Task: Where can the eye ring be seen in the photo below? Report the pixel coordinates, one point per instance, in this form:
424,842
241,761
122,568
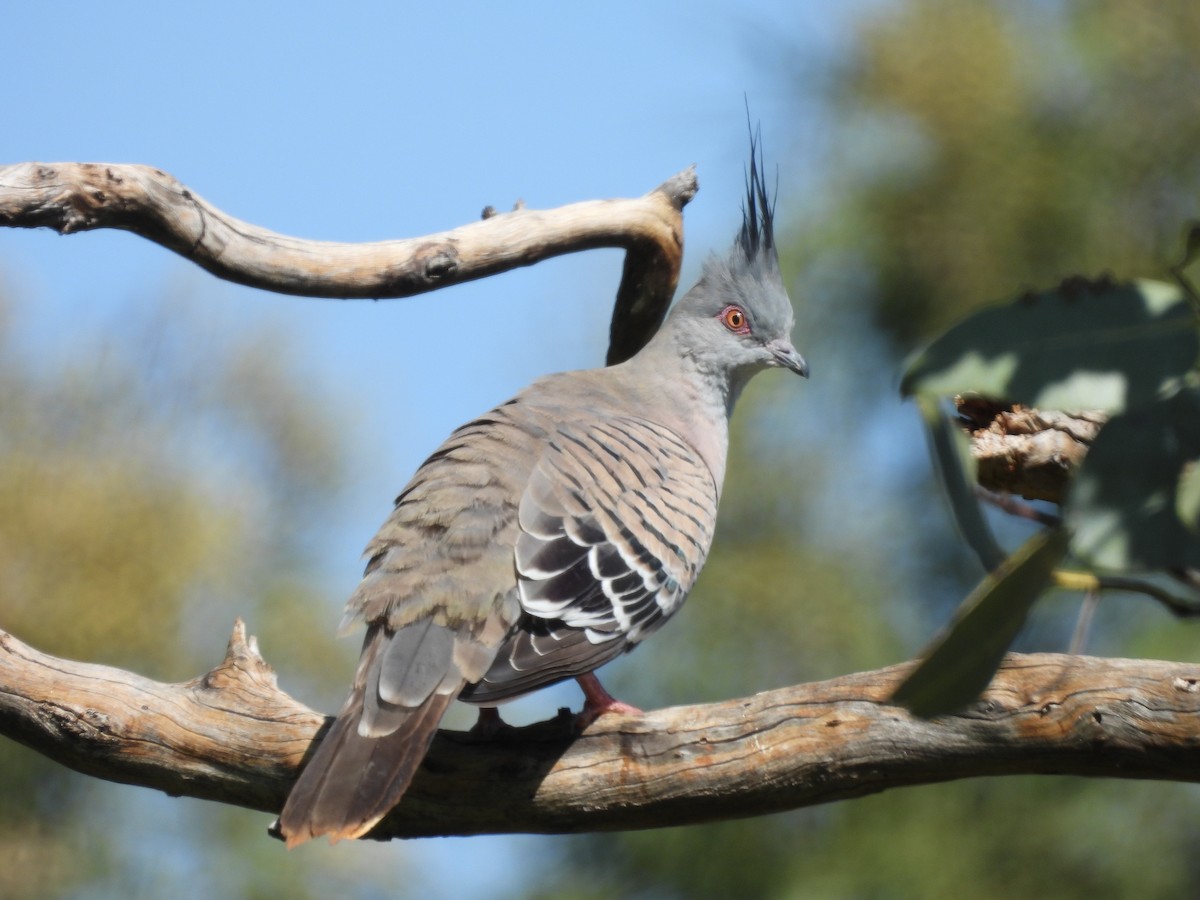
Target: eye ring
734,318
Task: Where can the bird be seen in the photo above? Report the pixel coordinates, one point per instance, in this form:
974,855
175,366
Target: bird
550,535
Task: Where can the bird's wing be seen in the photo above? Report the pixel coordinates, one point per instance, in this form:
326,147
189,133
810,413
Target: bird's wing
614,525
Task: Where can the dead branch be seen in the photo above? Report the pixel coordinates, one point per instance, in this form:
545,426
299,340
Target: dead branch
234,737
71,197
1029,452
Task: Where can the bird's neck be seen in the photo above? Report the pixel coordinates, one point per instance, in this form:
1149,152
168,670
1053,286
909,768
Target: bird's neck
710,384
695,400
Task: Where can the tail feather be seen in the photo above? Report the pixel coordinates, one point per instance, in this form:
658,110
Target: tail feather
352,781
405,681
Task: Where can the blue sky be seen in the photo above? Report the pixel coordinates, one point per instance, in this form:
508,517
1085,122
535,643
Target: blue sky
374,121
391,120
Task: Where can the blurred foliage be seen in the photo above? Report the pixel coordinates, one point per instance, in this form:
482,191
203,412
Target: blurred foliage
951,450
991,146
156,482
964,659
1129,350
1130,502
972,150
1082,346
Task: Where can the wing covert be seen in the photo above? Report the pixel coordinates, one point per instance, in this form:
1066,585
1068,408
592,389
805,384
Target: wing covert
613,528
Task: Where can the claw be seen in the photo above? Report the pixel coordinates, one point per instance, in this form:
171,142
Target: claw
598,701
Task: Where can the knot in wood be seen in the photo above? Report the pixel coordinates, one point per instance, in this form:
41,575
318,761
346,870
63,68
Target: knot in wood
437,261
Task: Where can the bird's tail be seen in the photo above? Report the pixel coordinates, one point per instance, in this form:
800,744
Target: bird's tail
364,763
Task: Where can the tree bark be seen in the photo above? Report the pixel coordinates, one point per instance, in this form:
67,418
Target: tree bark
71,197
1028,452
234,737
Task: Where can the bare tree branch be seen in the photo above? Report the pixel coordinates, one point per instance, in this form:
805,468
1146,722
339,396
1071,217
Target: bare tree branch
234,737
71,197
1029,452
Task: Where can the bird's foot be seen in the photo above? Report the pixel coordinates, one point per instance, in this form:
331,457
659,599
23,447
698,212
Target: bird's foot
489,724
598,701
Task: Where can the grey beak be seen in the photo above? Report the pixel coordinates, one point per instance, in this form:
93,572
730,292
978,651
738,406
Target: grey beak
785,355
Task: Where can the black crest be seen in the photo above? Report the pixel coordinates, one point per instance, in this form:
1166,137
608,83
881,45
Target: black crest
757,237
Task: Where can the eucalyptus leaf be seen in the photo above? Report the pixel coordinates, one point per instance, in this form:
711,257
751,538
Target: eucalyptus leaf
1082,346
1134,502
1191,253
1187,497
957,468
961,662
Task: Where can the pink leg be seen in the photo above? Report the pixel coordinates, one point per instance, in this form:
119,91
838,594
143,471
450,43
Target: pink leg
489,723
598,701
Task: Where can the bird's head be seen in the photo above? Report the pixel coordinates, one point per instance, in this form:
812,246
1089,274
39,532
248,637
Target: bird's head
738,319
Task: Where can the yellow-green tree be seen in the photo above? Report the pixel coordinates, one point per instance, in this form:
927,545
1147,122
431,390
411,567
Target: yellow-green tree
971,151
156,482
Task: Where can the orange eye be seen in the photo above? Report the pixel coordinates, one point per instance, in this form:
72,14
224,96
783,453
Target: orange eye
734,318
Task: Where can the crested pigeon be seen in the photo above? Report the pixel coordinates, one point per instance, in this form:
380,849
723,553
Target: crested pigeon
548,536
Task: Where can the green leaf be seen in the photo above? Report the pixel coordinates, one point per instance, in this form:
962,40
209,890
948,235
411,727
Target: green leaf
1135,500
962,661
1191,250
957,468
1187,497
1081,346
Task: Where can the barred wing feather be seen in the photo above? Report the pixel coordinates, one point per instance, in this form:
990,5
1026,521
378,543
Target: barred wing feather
615,523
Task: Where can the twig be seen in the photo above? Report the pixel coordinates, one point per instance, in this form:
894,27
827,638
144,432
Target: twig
1015,507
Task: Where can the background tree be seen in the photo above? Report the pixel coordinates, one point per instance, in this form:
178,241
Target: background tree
159,484
984,149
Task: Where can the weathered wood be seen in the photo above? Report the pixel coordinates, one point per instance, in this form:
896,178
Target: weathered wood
72,197
1028,452
234,737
